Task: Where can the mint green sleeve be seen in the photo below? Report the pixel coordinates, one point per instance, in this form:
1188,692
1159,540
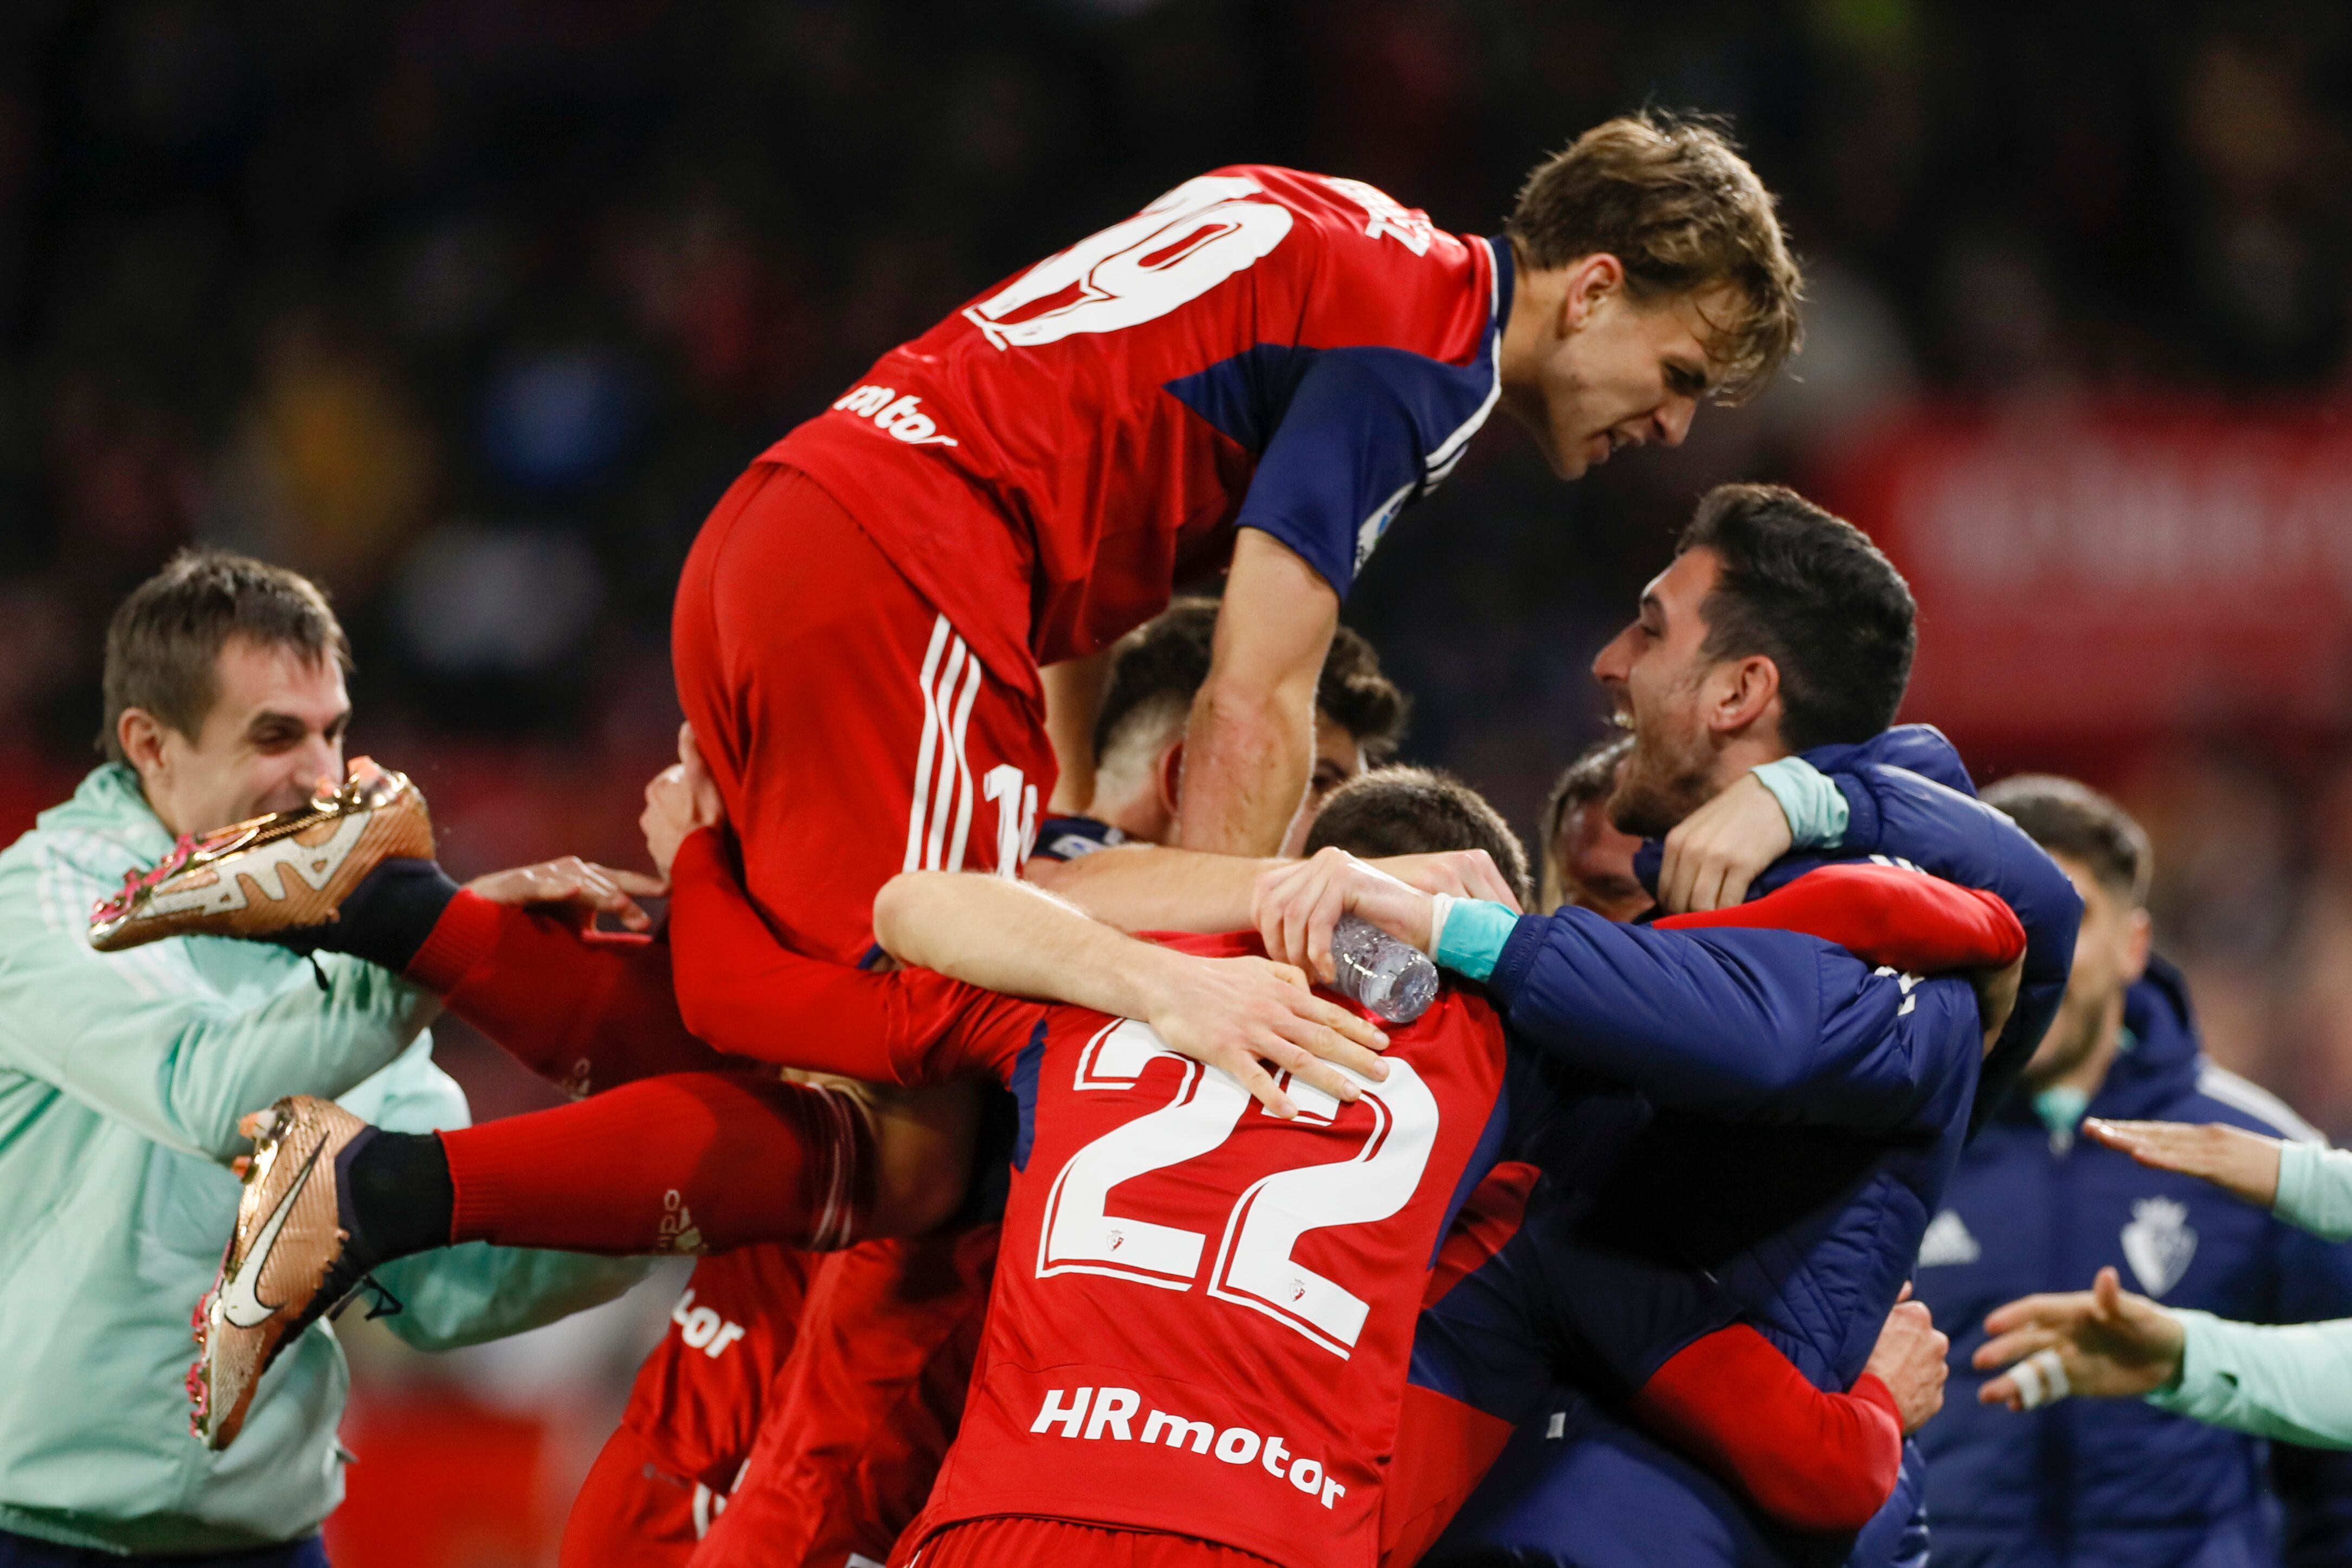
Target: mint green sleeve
465,1295
1816,811
2293,1382
2315,1190
1471,941
141,1037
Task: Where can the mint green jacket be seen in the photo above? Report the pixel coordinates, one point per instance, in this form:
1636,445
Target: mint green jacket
2292,1382
121,1079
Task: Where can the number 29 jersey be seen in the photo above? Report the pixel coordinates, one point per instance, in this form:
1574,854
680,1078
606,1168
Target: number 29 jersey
1202,1315
1260,347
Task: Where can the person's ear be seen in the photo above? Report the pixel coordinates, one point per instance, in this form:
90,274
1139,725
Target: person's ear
1170,778
1743,696
2138,934
141,735
1590,280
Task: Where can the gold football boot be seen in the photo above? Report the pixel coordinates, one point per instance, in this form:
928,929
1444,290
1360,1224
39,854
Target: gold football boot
280,872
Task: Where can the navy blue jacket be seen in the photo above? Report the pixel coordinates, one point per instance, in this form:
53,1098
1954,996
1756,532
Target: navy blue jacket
2109,1480
1796,1153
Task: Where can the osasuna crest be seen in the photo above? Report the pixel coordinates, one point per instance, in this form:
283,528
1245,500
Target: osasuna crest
2158,1244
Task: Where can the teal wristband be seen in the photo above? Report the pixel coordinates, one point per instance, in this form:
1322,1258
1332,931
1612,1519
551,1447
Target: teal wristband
1816,810
1471,943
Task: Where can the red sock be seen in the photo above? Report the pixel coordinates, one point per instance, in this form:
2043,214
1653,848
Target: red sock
1812,1460
688,1163
585,1010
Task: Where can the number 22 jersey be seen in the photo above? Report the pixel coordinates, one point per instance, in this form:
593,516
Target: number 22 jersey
1203,1314
1260,347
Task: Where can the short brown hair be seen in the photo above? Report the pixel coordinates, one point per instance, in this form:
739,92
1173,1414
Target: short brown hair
1810,591
2069,817
162,646
1158,668
1672,199
1417,811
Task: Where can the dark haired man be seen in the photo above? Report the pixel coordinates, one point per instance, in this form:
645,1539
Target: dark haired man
1800,1172
1588,860
122,1077
2035,1206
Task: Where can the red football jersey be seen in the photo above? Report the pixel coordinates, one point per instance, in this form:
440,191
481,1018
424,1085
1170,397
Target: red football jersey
1202,1315
1259,347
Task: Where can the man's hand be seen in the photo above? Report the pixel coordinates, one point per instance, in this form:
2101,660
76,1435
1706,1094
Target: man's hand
2245,1165
681,798
1462,873
2107,1343
1296,907
584,889
1909,1359
1237,1014
1715,852
1997,997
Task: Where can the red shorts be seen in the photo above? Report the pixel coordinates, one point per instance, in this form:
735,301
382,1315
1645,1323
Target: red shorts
853,735
860,1418
1018,1542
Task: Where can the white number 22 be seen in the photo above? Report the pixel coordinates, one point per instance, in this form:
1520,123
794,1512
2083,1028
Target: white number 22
1253,1266
1171,253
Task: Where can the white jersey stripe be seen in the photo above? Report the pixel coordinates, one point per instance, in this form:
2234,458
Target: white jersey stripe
2238,1094
943,787
916,812
963,765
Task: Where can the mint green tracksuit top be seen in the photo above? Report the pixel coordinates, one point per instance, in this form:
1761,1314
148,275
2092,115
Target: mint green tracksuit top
121,1079
2294,1381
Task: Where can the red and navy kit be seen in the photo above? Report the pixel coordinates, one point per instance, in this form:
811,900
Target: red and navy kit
859,623
1260,347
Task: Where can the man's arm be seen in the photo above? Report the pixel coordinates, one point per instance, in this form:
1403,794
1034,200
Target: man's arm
1230,1012
140,1037
1250,746
1738,1023
1142,887
976,941
1900,812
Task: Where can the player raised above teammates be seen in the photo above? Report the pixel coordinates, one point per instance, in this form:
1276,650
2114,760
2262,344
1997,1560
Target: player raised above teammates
1255,374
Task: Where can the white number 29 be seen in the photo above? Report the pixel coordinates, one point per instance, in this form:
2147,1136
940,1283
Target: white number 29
1253,1267
1171,253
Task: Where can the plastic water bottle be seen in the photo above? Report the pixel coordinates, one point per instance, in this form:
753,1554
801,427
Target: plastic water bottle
1390,977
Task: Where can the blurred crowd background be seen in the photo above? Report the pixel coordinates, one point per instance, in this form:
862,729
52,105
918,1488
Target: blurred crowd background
471,308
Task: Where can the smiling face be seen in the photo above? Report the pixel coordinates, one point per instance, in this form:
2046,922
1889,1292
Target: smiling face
1699,717
275,728
1589,370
